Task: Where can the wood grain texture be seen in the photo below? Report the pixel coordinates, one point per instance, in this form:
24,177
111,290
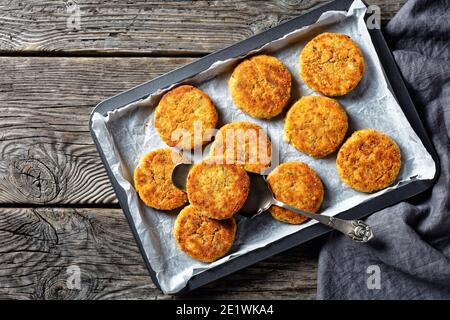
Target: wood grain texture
39,245
47,155
146,27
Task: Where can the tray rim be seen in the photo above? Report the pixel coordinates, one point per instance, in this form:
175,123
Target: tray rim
362,210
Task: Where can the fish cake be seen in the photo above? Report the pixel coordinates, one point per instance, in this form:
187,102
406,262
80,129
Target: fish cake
316,125
296,184
153,183
368,161
187,110
331,64
244,142
261,86
217,189
203,238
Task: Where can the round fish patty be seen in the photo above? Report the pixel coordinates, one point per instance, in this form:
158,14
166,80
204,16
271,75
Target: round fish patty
331,64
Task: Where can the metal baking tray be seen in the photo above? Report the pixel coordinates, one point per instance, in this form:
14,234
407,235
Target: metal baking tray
390,198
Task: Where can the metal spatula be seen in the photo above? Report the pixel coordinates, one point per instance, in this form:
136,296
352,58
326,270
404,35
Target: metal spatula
261,198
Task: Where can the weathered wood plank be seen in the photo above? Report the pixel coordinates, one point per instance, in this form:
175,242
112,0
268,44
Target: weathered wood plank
40,245
147,27
47,155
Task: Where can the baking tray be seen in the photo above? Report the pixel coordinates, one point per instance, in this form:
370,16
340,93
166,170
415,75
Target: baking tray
360,211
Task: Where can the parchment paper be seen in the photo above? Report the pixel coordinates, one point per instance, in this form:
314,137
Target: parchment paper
127,133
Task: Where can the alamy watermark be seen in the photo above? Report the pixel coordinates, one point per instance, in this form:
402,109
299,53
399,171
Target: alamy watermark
374,278
373,17
240,146
74,19
73,280
373,20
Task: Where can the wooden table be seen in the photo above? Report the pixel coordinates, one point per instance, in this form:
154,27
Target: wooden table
57,207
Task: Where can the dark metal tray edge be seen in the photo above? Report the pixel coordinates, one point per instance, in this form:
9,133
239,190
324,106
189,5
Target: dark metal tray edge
240,48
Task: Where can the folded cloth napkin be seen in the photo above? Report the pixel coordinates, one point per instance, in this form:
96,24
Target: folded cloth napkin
410,257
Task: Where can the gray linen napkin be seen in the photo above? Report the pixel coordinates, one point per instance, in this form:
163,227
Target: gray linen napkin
411,257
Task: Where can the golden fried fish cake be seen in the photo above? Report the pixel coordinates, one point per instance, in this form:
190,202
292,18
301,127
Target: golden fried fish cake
316,125
153,183
261,86
368,161
244,142
203,238
189,110
331,64
296,184
217,189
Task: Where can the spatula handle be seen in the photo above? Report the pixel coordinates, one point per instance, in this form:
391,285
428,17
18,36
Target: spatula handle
355,229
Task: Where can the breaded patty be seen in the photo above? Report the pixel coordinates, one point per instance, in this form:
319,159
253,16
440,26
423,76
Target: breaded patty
203,238
331,64
261,86
153,183
183,111
217,189
316,125
369,161
244,142
296,184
